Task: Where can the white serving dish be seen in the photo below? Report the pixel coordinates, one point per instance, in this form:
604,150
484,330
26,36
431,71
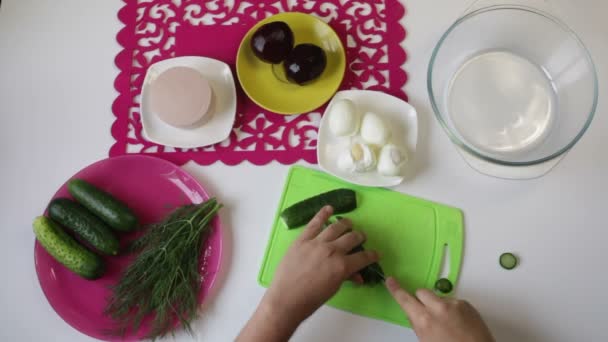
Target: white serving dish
399,115
222,111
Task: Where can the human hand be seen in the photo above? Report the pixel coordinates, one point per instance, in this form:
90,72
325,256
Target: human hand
436,319
315,266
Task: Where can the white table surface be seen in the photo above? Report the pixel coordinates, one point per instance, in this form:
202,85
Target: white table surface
56,88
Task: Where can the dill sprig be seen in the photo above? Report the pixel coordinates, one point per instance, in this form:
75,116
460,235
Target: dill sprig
164,279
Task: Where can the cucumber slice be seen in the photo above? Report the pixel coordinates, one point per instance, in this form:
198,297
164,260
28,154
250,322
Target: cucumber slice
444,285
342,200
508,261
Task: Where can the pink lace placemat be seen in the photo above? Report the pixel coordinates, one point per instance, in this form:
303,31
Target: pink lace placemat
158,29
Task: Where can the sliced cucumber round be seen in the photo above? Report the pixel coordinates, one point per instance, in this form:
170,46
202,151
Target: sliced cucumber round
444,285
508,261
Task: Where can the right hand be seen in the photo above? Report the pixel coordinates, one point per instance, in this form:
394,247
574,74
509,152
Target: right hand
316,265
436,319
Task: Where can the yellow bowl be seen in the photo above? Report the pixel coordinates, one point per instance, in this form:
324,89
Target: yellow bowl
269,90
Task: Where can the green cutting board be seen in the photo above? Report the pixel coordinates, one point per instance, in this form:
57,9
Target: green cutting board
410,233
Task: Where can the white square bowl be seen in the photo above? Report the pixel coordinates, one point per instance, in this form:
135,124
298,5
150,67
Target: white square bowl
223,105
399,115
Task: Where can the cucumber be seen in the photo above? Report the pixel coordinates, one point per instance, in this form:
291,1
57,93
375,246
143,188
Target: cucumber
84,224
372,274
342,200
444,285
508,261
66,250
110,210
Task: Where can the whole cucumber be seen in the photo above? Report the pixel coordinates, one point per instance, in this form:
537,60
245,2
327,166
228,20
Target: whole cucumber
110,210
298,214
83,223
66,250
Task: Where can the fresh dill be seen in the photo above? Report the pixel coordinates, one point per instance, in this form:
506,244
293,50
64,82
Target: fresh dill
164,278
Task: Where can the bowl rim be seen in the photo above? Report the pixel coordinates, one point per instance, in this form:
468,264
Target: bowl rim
457,141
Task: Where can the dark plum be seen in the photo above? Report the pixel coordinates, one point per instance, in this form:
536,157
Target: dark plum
272,42
305,63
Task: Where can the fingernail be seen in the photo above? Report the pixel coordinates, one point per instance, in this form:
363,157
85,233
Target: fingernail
375,255
361,236
344,221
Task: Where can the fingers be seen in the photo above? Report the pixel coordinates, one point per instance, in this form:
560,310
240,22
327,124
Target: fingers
412,307
348,241
428,298
335,230
355,262
356,278
315,225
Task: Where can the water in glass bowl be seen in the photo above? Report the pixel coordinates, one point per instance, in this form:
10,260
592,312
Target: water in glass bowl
501,103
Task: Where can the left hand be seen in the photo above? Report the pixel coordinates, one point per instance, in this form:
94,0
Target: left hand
315,266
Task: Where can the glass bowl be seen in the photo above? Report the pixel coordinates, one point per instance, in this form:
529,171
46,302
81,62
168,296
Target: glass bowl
512,86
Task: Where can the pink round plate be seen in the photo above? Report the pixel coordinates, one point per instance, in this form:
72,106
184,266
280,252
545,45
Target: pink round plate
151,187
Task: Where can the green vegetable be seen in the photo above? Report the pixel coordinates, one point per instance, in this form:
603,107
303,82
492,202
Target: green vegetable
508,261
110,210
444,285
66,250
84,224
164,279
372,274
342,200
